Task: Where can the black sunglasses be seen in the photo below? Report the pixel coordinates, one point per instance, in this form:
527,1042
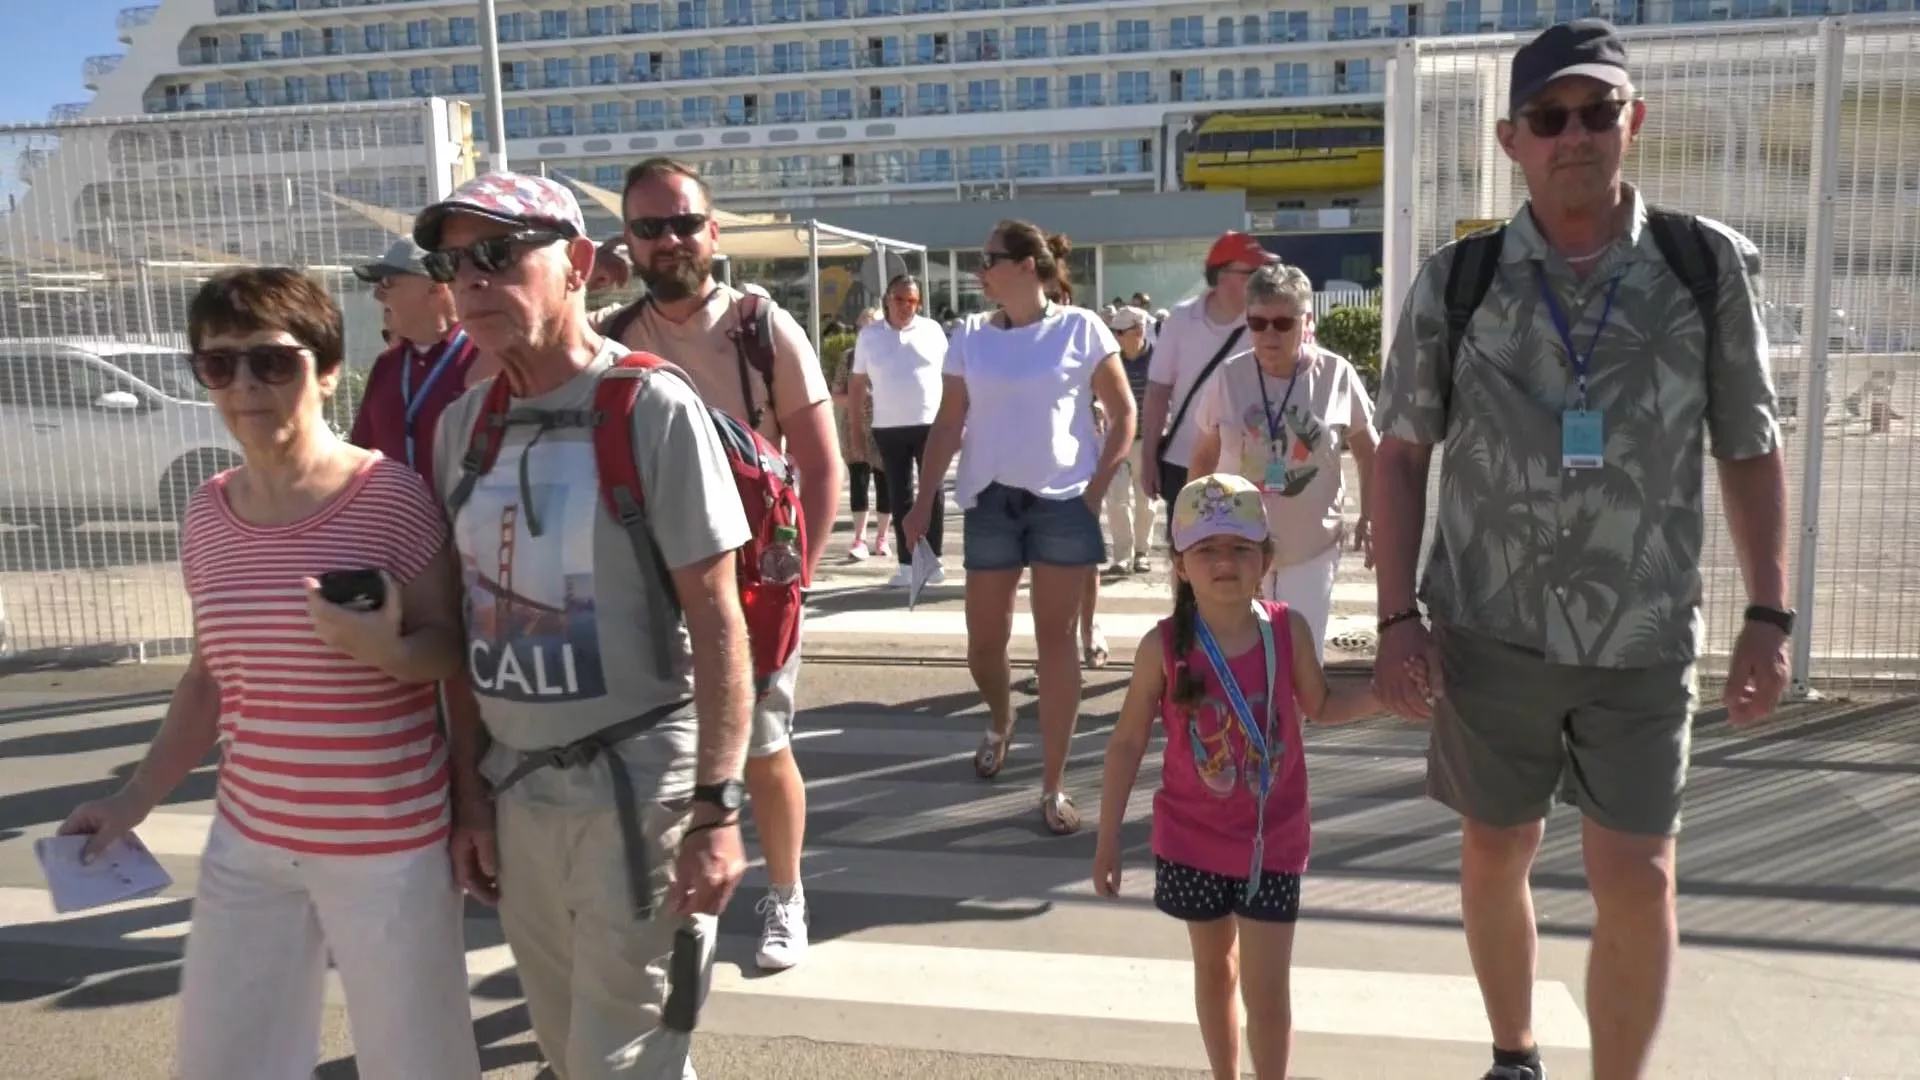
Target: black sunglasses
1281,324
680,225
990,259
1548,121
274,365
494,255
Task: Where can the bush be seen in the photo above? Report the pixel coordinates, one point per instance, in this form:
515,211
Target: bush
833,356
1354,332
345,403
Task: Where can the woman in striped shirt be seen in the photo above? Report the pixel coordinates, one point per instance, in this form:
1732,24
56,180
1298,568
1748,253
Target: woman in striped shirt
333,807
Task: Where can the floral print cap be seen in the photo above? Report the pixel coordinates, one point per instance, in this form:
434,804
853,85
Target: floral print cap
1217,505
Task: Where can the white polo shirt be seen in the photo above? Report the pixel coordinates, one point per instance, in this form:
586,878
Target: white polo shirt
904,368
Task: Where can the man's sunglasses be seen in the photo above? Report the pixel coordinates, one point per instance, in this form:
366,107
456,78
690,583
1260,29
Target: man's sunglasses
680,225
1279,324
494,255
274,365
1548,121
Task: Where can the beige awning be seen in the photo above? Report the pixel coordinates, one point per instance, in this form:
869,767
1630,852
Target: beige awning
610,201
397,222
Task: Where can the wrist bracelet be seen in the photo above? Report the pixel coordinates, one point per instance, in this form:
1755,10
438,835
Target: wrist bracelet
1398,617
703,827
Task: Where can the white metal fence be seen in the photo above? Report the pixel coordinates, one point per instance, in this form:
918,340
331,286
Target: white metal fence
106,230
1804,136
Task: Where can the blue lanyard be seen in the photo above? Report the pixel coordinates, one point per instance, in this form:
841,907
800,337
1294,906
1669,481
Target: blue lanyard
1580,361
1258,739
1276,425
410,402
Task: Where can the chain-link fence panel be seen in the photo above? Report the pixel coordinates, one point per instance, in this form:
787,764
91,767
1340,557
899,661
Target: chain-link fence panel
107,230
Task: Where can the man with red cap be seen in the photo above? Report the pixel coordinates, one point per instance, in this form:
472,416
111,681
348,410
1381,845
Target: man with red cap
1195,338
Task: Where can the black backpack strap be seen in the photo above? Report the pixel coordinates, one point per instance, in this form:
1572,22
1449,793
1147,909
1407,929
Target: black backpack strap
753,345
1476,261
1220,355
1688,251
617,324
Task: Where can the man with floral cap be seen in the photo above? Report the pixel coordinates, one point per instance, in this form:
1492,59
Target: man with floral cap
617,786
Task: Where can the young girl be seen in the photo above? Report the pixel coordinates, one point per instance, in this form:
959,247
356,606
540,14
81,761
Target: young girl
1229,675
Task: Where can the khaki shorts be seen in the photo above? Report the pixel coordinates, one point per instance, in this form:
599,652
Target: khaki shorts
1513,730
773,714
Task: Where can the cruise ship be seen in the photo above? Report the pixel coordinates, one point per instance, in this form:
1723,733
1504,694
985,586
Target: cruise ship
1138,127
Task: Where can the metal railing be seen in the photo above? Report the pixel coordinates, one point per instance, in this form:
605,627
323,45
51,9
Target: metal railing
103,432
133,18
1805,137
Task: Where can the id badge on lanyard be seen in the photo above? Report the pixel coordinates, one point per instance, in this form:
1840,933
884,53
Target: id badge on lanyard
1263,742
1274,480
1583,435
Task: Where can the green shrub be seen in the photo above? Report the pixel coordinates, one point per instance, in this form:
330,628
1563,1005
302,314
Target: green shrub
345,403
1354,332
833,356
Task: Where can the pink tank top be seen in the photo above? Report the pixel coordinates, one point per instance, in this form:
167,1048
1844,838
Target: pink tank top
1206,814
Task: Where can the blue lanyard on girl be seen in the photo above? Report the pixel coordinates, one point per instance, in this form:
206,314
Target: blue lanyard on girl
410,403
1259,740
1276,424
1580,361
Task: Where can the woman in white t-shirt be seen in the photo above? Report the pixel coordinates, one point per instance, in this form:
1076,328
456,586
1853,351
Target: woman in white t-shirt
1032,477
1278,415
896,383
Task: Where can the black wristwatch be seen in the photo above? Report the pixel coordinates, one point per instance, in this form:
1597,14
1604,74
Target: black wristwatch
1772,616
728,795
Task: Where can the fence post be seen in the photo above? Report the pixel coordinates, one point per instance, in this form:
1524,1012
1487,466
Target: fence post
448,161
1830,74
1399,247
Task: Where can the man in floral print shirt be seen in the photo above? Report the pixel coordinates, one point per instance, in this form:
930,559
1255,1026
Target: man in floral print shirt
1563,588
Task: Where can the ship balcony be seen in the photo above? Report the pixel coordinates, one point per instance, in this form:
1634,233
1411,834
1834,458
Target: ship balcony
96,68
133,18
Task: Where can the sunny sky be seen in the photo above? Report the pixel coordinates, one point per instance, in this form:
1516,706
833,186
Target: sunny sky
41,46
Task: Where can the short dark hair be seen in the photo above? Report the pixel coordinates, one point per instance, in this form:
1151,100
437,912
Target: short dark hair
265,299
660,168
903,279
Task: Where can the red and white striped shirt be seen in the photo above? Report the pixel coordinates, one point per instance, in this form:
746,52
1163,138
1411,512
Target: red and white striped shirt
321,754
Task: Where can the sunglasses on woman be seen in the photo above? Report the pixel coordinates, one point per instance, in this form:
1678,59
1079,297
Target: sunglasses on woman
274,365
1279,324
1548,121
494,255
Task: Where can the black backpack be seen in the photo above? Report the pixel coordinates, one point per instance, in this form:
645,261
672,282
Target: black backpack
1682,241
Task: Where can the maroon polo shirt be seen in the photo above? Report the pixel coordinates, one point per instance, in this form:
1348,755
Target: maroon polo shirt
382,423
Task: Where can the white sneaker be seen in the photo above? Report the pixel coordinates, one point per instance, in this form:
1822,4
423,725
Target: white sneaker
858,552
939,575
902,578
783,938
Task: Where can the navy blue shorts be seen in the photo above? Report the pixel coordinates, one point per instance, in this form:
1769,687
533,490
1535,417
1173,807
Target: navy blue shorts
1202,896
1009,528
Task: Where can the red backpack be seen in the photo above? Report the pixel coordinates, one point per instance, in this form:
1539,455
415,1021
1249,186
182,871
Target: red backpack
765,479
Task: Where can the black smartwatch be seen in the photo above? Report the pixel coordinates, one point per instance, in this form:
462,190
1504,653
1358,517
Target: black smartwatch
728,795
1772,616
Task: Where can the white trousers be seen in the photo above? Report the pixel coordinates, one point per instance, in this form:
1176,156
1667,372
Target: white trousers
1307,587
1129,511
264,923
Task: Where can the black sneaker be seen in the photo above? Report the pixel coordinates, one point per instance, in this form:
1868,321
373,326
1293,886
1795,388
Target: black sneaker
1516,1072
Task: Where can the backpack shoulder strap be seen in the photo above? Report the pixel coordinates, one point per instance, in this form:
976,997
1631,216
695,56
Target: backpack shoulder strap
614,397
1476,261
753,342
1684,244
483,445
621,321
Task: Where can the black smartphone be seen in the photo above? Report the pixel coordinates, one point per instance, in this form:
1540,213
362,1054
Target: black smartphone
355,590
685,989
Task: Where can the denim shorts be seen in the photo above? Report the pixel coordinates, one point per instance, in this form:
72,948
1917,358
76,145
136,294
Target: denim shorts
1009,528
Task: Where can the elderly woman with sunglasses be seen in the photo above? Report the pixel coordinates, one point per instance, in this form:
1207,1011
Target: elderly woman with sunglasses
333,801
1279,415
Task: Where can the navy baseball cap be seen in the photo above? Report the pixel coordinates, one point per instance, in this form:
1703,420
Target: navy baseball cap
1588,47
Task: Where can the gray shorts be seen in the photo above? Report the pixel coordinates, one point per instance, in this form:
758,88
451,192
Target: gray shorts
1513,730
773,713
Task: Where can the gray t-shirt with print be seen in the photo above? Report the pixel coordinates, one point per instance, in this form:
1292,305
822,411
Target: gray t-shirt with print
559,643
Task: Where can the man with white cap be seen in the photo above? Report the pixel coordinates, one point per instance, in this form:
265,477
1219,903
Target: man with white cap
429,362
616,783
1572,361
1129,507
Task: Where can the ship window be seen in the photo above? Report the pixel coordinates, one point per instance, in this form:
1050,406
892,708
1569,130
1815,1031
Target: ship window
1239,143
1263,140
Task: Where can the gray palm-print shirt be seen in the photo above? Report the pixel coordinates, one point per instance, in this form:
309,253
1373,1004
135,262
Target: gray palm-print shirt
1589,567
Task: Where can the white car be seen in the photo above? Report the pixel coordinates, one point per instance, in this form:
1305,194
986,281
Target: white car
103,429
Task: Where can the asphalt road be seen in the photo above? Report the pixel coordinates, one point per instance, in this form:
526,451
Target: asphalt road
954,939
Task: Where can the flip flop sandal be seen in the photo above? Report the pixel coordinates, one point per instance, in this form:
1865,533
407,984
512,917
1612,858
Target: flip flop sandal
1062,817
1096,651
992,754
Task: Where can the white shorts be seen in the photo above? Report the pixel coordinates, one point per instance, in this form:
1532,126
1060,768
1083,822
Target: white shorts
1307,587
773,714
